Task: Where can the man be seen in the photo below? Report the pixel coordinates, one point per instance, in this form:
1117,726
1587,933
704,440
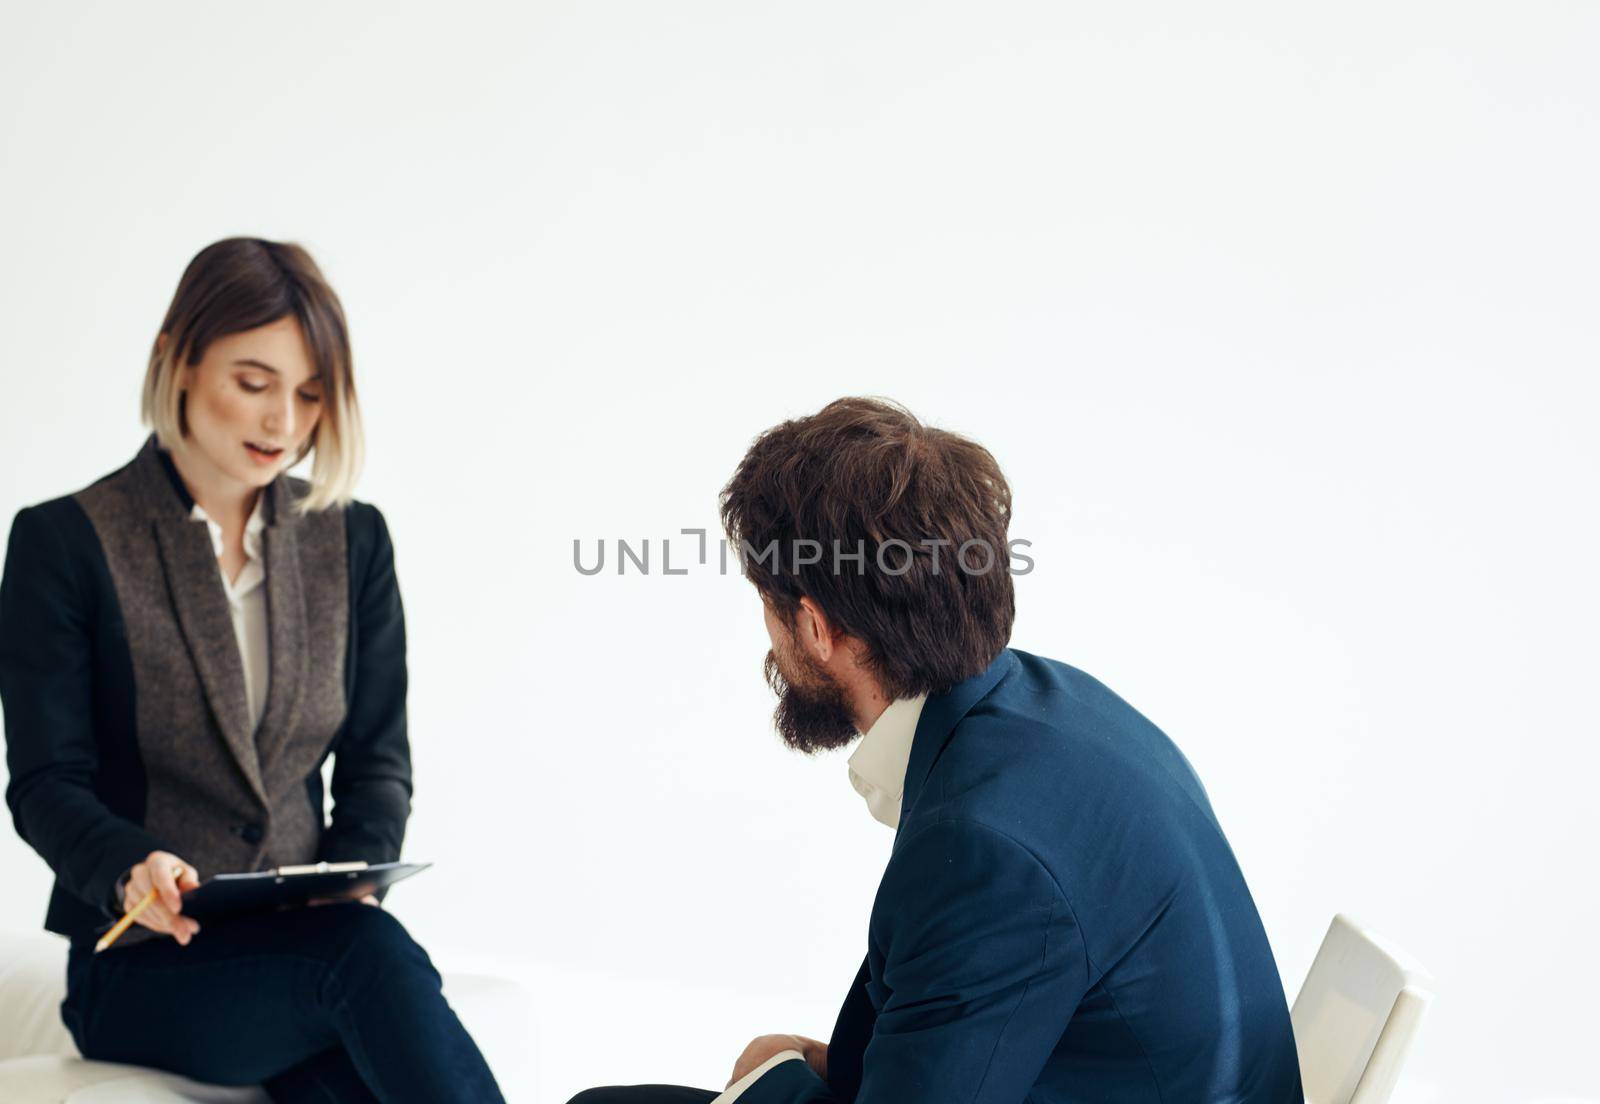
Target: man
1061,918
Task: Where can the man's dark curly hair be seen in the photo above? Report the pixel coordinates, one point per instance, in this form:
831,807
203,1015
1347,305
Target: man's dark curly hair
931,593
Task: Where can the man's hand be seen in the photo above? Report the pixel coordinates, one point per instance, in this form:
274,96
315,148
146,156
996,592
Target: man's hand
170,876
765,1046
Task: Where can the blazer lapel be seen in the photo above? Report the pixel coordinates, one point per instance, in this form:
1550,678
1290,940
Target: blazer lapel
286,623
195,585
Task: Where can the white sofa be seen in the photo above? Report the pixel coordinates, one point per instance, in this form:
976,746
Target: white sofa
39,1064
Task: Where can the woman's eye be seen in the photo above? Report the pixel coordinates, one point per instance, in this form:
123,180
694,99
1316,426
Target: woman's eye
310,398
253,388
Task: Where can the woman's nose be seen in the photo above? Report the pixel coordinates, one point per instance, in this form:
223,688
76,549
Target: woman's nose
280,418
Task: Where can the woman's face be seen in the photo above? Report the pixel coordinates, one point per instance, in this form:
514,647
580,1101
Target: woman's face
252,401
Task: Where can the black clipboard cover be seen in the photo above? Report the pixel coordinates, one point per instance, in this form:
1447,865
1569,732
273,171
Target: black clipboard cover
228,895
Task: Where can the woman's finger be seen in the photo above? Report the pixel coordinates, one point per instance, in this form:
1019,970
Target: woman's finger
155,917
158,919
167,886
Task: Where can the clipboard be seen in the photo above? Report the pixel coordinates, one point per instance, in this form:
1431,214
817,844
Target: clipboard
229,895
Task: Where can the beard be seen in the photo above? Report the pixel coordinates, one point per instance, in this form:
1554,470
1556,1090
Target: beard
812,713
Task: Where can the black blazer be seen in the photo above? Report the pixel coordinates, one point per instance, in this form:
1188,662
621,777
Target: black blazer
126,729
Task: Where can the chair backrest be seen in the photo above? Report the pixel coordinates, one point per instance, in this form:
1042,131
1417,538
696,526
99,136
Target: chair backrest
1356,1016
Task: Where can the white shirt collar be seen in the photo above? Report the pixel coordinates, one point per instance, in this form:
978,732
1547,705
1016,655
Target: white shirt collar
252,529
254,572
878,767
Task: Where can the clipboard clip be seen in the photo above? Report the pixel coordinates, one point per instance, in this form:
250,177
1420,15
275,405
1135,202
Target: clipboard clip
320,868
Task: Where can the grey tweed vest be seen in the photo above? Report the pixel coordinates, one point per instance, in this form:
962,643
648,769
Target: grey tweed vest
224,797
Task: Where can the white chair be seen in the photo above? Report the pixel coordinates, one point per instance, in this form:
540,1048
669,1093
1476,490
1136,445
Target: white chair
1356,1016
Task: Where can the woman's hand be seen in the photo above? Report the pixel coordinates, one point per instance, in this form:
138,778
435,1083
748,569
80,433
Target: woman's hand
170,876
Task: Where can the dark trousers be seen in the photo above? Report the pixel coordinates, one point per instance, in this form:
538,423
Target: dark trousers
327,1004
644,1094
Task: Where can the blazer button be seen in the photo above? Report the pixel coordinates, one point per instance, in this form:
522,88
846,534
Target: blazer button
251,833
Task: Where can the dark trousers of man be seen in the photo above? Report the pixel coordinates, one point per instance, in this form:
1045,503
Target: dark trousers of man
331,1003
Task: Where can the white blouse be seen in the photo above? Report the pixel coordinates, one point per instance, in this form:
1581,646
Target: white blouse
247,602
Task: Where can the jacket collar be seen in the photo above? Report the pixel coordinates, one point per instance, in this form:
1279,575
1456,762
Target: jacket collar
940,716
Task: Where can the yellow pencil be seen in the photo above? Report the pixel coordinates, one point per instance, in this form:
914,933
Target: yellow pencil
132,914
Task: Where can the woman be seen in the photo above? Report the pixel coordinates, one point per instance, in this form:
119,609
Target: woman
182,645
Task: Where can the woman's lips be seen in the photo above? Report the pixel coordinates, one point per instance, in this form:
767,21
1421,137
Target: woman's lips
262,454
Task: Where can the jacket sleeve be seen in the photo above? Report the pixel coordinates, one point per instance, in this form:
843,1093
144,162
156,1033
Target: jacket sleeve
371,786
983,965
47,686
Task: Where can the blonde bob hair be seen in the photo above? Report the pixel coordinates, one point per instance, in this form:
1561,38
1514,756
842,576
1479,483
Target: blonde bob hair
238,284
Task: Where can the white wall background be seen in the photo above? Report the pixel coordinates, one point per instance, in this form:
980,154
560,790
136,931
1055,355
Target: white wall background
1281,320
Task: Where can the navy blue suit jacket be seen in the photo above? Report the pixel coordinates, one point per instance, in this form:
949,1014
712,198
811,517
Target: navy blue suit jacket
1061,919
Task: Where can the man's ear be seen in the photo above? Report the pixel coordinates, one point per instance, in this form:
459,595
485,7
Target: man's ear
814,631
